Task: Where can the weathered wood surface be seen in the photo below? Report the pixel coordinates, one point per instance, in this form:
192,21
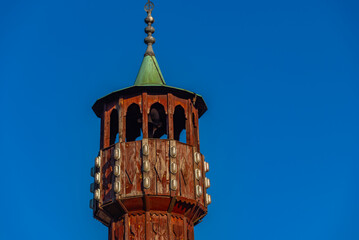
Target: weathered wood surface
132,164
161,167
159,158
145,101
107,175
151,226
157,212
185,174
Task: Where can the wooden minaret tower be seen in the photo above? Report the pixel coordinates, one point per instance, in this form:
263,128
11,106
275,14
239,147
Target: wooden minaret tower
150,176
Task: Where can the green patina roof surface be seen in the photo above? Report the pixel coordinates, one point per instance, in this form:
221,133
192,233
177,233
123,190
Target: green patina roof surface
149,73
149,78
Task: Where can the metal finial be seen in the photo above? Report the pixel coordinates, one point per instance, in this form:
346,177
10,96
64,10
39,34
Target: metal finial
149,40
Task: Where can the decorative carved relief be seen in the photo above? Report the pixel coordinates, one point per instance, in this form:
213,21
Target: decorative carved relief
190,233
130,168
161,168
177,226
159,211
119,231
133,168
159,227
107,176
186,173
137,227
178,232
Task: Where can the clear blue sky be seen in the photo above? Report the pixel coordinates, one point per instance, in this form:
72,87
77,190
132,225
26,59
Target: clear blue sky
281,134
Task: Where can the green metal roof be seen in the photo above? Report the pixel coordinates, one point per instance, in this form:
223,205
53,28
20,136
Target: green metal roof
150,79
149,73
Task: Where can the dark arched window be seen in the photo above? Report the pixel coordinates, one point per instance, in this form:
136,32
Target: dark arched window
114,127
133,123
179,124
157,122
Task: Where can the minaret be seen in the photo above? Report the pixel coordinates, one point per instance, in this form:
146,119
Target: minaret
149,175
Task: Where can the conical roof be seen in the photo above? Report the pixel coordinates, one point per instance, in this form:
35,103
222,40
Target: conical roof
149,73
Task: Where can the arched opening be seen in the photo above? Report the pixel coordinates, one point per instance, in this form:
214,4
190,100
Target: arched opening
133,123
179,124
114,127
157,122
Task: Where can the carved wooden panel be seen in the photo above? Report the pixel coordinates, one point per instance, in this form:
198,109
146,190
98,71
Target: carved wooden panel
159,227
174,160
107,175
200,182
119,231
162,167
190,232
163,214
152,159
132,168
185,173
123,176
177,228
137,227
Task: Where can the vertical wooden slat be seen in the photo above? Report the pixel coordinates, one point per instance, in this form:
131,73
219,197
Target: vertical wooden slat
132,169
103,156
162,167
186,177
152,160
148,226
121,121
166,155
185,226
145,158
106,132
107,175
169,226
138,164
145,115
123,176
195,165
189,126
170,108
174,159
111,230
127,227
198,182
102,129
118,163
120,230
197,130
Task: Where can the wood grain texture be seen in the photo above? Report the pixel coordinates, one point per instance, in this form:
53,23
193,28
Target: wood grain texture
137,227
157,212
152,159
161,168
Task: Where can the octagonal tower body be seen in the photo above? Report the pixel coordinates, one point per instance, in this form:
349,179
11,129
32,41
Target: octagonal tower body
150,175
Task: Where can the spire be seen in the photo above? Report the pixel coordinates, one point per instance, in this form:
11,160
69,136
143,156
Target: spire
150,73
149,40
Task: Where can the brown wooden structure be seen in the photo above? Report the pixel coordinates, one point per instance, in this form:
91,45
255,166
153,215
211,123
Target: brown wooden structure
149,181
